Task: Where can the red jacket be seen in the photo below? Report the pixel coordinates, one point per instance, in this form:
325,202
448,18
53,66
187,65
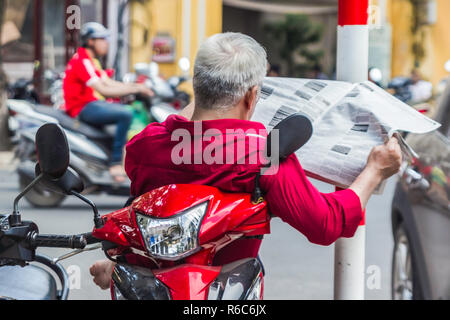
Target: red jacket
322,218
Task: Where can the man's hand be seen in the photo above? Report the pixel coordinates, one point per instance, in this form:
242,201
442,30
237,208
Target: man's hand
386,159
102,272
383,162
144,90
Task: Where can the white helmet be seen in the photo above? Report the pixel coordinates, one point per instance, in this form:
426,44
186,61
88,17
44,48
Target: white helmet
93,30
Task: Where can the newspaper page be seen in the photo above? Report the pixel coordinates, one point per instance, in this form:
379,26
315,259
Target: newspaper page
348,121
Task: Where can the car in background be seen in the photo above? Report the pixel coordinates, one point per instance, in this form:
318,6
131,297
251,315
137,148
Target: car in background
421,216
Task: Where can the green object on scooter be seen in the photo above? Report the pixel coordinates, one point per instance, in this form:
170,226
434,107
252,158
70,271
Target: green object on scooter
141,118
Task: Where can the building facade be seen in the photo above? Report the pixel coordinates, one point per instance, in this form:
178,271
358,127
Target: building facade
36,37
431,37
167,30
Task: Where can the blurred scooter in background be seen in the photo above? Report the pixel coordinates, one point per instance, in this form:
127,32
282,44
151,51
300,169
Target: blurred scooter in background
90,147
168,99
414,91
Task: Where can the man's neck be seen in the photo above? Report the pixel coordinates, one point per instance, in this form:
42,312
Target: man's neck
201,114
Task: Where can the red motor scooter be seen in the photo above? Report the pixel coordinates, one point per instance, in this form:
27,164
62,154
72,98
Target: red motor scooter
165,242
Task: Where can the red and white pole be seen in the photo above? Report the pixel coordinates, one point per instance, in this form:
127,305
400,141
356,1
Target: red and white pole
352,66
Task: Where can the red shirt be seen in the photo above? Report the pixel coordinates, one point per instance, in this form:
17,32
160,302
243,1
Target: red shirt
322,218
81,73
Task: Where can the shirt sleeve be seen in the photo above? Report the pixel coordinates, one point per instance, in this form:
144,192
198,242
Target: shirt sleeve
86,72
322,218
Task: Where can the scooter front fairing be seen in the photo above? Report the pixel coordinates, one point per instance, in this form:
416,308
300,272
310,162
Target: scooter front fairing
240,280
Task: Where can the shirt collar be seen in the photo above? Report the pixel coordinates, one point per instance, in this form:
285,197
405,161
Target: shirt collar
82,52
174,122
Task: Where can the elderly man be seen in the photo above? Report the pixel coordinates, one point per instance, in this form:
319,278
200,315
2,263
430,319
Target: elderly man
229,71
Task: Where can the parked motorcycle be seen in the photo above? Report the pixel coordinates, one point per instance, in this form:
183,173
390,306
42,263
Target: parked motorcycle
23,89
400,87
163,244
55,89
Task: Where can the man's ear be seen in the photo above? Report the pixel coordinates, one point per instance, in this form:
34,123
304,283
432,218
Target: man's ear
251,97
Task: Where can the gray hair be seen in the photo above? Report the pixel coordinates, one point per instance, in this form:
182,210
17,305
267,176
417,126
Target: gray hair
227,66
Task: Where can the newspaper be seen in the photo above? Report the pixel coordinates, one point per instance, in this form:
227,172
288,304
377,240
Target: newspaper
348,121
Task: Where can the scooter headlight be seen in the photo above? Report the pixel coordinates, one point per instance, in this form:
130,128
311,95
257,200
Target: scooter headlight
175,237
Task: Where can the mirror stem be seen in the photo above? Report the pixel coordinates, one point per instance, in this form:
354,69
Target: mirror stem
98,221
15,219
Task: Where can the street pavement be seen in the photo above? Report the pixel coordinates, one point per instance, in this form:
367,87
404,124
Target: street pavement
295,268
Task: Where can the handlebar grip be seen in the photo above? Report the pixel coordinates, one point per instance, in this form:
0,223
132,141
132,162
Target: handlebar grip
58,241
90,239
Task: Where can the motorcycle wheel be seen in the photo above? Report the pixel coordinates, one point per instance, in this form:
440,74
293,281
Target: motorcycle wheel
39,197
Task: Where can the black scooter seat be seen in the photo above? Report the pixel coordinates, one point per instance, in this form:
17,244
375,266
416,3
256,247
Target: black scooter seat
73,124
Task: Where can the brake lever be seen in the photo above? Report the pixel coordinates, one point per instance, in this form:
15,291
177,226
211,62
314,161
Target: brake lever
75,252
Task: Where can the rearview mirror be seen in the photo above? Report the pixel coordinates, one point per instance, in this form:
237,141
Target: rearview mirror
294,132
289,135
68,183
52,150
53,160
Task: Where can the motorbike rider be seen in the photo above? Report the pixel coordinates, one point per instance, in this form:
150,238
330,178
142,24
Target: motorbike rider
228,74
87,86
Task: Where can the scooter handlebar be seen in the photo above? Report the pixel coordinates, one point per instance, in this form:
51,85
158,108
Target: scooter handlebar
58,241
90,239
